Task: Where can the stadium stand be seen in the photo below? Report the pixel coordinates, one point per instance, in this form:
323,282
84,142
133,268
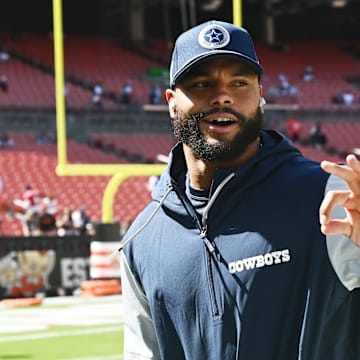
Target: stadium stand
29,163
87,59
342,135
146,146
331,64
91,59
318,155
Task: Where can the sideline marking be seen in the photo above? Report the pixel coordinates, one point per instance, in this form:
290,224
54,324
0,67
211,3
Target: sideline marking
43,335
104,357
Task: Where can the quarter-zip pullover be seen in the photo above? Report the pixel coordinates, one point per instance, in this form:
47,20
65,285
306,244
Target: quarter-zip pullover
250,277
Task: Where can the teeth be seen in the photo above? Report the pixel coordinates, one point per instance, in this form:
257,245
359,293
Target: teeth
222,120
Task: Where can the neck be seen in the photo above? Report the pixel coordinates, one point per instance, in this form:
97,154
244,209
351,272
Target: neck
202,172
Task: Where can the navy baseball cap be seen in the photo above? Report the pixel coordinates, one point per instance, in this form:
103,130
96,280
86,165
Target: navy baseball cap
212,38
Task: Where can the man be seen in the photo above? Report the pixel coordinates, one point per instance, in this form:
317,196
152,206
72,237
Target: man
230,259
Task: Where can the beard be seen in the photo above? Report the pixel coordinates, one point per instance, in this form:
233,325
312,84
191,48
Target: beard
186,130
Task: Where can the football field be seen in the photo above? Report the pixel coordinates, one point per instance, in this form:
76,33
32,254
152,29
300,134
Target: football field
63,328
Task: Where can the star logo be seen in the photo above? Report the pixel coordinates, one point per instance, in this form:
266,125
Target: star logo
214,37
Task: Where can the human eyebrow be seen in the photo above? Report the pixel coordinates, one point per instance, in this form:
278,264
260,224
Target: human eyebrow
194,77
198,73
244,72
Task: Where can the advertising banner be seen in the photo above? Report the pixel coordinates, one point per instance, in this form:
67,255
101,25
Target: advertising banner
49,265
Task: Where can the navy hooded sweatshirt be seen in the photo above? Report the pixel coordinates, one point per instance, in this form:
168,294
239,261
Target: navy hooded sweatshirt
248,277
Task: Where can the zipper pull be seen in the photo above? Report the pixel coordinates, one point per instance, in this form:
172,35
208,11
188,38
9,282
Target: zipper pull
203,232
207,243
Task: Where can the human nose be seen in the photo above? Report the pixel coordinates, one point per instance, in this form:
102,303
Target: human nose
221,96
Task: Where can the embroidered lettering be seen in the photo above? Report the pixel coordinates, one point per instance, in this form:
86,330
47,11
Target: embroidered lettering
259,261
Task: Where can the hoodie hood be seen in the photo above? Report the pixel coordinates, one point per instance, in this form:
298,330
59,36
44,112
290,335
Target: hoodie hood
276,150
170,191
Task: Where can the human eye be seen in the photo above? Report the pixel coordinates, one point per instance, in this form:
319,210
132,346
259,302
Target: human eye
240,83
200,83
195,83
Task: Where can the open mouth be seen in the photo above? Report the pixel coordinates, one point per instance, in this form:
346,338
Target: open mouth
222,122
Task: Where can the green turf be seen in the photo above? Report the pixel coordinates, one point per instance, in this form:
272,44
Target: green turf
60,342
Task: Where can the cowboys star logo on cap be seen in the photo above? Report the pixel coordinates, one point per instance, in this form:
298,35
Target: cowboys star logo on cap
214,37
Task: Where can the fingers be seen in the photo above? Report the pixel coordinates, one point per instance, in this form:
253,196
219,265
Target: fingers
331,199
348,199
331,226
337,227
349,173
354,163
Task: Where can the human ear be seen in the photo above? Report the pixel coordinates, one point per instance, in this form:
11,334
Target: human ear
171,102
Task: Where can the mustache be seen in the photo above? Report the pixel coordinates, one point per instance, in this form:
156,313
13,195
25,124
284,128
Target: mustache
228,110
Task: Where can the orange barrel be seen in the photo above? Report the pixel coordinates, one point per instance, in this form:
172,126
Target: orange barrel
102,266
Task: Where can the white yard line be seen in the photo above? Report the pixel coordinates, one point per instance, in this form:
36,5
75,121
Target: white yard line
66,311
104,357
43,335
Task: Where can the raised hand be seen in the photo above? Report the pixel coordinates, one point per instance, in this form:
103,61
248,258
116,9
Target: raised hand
349,199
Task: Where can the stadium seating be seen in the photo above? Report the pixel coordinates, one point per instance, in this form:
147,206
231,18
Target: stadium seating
318,154
147,146
331,65
29,163
94,59
342,135
90,59
86,59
